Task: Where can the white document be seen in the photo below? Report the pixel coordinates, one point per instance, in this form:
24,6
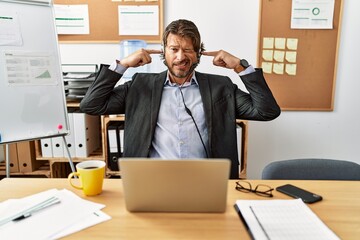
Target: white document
72,19
282,219
72,214
312,14
10,33
138,20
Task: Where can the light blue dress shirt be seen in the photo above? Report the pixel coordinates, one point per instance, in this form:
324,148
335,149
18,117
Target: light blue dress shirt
176,135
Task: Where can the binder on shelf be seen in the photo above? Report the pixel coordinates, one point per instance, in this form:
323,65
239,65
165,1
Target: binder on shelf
57,147
113,138
121,132
239,142
26,157
13,158
70,138
87,133
46,147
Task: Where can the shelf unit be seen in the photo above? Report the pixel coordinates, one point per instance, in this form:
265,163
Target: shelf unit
43,171
242,155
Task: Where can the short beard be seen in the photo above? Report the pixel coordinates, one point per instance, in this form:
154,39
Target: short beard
191,70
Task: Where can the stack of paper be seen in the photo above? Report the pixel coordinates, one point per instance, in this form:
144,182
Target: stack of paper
282,219
70,215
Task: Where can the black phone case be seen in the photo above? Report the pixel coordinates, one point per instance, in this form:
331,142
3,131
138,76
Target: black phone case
296,192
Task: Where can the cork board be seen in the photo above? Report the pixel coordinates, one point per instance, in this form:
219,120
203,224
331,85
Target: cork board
311,87
104,21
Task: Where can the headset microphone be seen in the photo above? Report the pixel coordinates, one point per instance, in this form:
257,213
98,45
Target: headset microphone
188,111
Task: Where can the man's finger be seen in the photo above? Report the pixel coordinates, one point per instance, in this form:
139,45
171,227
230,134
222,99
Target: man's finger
153,51
212,53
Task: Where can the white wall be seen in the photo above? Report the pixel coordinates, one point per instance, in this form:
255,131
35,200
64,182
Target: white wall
232,25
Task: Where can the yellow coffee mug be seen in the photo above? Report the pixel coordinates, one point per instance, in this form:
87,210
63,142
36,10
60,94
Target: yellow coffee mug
91,174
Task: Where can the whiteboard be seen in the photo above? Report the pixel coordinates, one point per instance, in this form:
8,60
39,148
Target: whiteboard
32,98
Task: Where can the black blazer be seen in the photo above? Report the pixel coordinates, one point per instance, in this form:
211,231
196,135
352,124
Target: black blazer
140,100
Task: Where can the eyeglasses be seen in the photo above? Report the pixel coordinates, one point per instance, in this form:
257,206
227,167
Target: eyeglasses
260,189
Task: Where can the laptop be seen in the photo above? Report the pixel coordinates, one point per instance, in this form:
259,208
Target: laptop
181,185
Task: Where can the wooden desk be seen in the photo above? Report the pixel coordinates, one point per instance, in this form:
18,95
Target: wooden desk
340,210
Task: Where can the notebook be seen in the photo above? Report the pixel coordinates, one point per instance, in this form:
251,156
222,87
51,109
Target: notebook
181,185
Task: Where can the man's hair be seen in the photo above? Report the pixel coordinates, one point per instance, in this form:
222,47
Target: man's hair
184,28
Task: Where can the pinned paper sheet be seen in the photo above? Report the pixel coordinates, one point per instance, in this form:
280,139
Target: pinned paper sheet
278,68
138,20
10,31
291,43
268,55
279,56
290,69
72,19
280,43
267,67
290,56
268,43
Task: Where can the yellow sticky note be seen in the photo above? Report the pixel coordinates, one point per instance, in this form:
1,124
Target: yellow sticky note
266,67
268,42
290,56
290,69
278,68
279,56
280,43
267,55
292,43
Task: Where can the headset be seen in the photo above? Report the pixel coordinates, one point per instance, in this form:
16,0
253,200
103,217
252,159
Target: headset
188,111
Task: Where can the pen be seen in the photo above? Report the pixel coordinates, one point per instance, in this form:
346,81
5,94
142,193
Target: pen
27,213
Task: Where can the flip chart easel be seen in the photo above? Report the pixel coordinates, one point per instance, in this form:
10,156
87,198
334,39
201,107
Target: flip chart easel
32,96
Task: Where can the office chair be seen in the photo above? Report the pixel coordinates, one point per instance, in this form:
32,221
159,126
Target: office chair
312,169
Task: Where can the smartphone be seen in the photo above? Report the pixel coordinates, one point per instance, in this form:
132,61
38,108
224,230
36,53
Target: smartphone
296,192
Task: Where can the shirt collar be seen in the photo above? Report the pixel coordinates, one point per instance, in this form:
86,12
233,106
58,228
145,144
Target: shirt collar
192,81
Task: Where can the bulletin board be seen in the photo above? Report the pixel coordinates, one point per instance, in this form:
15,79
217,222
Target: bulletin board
104,21
311,86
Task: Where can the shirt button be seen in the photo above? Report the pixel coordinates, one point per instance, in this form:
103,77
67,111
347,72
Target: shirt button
180,123
181,143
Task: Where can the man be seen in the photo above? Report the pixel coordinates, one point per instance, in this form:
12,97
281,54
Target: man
181,113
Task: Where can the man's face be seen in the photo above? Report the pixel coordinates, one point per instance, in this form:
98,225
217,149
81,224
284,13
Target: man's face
180,58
